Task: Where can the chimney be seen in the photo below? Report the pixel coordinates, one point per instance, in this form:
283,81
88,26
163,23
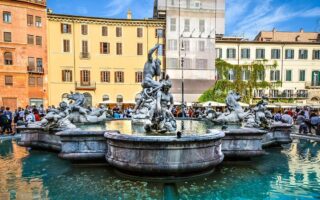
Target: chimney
129,14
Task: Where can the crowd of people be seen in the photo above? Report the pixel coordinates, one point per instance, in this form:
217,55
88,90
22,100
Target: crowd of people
305,118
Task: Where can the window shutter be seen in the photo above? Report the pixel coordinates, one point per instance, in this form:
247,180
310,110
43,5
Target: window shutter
108,46
101,47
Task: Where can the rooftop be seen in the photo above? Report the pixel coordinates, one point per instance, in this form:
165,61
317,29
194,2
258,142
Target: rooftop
281,36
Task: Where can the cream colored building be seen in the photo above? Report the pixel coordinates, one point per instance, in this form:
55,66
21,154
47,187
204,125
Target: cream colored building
298,63
102,58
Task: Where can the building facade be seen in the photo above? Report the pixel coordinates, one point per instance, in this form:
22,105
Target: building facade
23,53
102,58
298,64
191,26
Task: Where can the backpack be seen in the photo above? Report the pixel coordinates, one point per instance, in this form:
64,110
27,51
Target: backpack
277,117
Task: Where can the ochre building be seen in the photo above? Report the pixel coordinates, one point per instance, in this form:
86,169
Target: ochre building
102,58
23,53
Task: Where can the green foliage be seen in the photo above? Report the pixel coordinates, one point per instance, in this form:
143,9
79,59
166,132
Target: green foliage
254,72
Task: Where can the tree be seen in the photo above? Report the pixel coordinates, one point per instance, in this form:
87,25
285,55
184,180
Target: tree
243,79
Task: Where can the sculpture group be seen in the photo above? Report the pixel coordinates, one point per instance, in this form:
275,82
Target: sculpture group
154,106
66,115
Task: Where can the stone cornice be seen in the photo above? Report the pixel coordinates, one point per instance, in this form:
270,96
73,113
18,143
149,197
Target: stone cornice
106,21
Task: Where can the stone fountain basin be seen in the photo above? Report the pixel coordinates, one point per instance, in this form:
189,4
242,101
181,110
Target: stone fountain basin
164,155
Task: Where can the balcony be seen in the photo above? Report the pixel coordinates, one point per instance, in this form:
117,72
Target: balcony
313,85
35,70
85,85
298,95
84,55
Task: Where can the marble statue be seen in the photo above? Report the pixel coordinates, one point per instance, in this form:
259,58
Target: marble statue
235,113
260,116
152,107
55,118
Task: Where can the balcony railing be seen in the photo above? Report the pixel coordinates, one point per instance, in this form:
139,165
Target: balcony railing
85,55
289,96
35,70
313,85
85,85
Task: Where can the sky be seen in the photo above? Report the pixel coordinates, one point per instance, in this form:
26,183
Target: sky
244,18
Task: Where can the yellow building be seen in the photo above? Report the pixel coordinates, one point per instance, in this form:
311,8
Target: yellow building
102,58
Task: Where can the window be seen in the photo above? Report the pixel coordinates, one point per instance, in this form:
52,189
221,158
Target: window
259,93
8,58
303,54
6,17
84,29
66,45
84,46
39,81
231,75
104,31
139,32
7,37
105,77
260,54
173,24
119,98
245,75
105,98
139,49
316,55
38,21
65,28
30,39
288,75
202,26
85,77
289,53
274,93
159,33
302,75
260,75
275,53
8,80
197,4
119,32
173,63
29,20
188,3
231,53
218,53
104,48
39,63
66,75
201,63
187,25
161,50
118,77
274,75
32,80
38,40
187,63
245,53
119,48
186,45
173,45
139,77
31,63
201,46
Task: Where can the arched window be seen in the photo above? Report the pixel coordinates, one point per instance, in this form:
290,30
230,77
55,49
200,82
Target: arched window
8,58
105,98
119,99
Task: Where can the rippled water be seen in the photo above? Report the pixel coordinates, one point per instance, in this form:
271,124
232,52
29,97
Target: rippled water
188,127
289,173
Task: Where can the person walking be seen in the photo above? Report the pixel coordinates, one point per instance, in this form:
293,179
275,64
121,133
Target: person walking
301,121
3,121
8,125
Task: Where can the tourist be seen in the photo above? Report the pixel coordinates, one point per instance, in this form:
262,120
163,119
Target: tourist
3,121
21,114
42,111
314,122
277,116
8,125
301,121
286,118
29,117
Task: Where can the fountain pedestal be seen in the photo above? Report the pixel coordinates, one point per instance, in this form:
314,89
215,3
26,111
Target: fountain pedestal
164,155
278,134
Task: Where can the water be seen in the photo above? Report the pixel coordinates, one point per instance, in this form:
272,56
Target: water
289,173
188,127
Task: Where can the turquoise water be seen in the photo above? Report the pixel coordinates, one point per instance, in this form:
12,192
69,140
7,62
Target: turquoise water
188,127
289,173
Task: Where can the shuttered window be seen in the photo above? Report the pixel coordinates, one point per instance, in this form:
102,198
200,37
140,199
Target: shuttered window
66,45
38,21
140,49
7,37
65,28
29,20
139,32
119,77
84,29
67,75
119,32
38,40
104,48
105,76
119,48
8,80
8,58
85,77
31,62
104,31
30,39
138,76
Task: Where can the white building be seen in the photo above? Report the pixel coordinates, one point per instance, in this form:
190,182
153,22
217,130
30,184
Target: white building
298,62
191,26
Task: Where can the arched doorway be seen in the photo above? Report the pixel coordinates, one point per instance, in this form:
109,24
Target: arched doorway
88,97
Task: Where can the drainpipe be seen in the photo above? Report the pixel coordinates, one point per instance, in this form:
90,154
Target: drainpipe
74,54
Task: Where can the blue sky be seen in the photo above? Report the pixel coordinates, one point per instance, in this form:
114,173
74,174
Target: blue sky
243,17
